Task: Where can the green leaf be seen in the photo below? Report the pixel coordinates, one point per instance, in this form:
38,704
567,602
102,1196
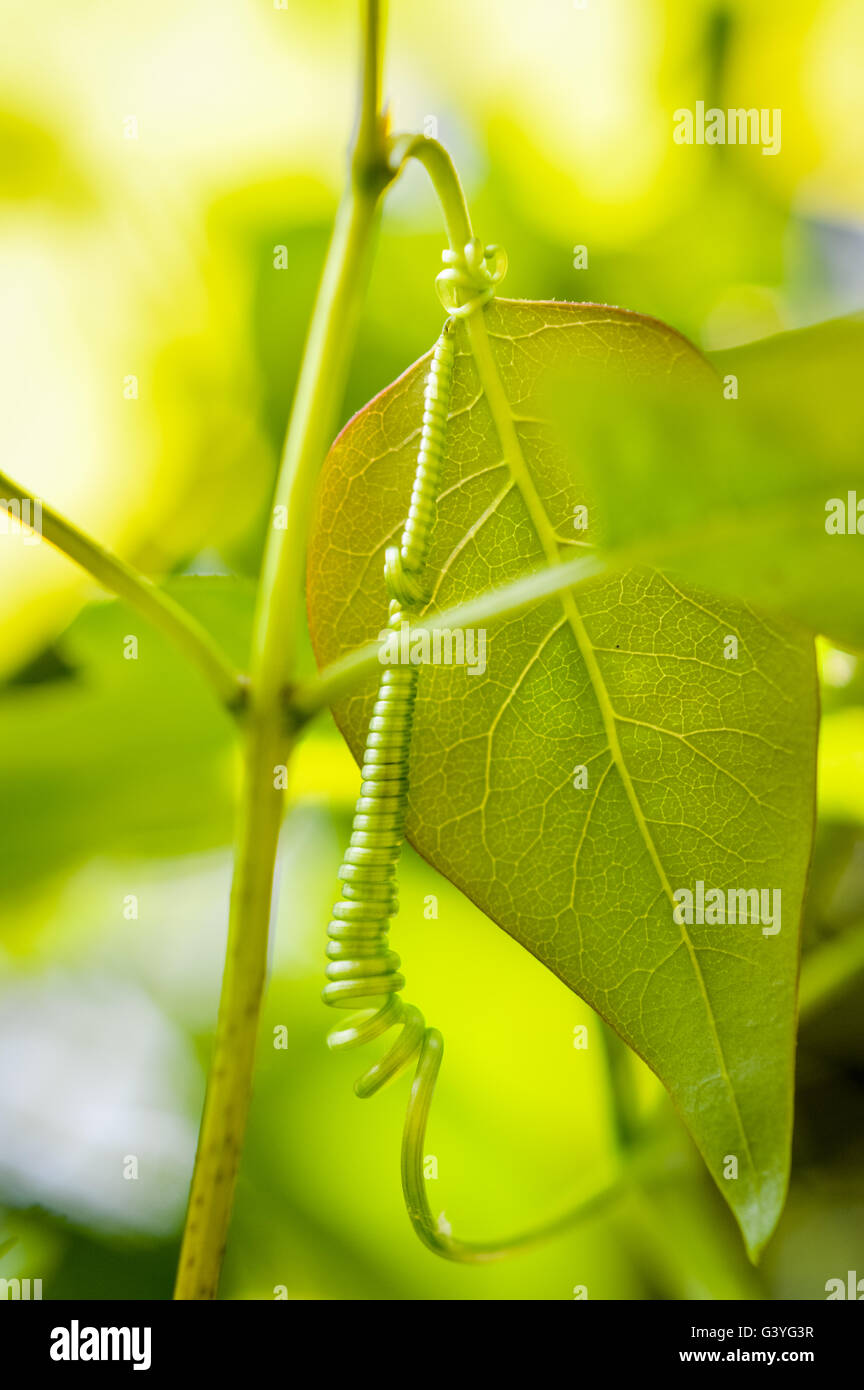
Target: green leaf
731,492
699,767
122,756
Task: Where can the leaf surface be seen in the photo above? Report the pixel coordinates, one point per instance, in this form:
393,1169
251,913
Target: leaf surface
120,756
699,767
738,488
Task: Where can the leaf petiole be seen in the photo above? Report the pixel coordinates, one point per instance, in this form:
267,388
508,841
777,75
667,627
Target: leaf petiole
443,177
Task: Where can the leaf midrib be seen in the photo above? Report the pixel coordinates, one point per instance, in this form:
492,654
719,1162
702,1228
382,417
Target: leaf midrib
502,416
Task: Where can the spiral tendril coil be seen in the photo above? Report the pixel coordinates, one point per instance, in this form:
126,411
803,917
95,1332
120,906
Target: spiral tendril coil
362,970
362,967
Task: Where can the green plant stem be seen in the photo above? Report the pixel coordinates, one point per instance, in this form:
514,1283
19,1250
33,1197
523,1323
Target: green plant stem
138,591
443,177
277,628
343,675
621,1084
445,180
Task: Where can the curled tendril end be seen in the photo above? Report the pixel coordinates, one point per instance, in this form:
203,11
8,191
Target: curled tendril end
476,268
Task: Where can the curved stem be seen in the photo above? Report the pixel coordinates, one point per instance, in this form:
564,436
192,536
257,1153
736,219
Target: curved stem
445,180
136,590
277,629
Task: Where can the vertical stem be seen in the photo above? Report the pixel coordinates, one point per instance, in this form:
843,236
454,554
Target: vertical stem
278,617
278,624
622,1089
229,1083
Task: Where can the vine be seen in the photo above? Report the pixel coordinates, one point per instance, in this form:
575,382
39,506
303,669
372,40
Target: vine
271,705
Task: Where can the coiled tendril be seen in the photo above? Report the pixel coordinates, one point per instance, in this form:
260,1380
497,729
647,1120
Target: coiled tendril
362,968
476,268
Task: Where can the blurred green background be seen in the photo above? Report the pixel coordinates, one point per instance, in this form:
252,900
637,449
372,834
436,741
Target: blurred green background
168,177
